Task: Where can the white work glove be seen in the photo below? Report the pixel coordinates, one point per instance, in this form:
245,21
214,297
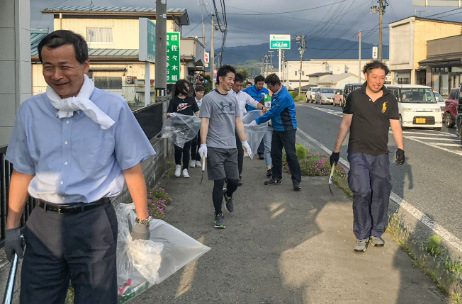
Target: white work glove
203,150
246,147
172,114
253,123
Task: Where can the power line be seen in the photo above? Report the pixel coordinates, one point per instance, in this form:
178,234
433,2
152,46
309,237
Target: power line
289,12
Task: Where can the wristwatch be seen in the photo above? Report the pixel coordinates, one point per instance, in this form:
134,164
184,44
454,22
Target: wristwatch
144,222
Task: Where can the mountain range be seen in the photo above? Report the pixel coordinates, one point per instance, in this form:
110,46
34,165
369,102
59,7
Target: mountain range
322,48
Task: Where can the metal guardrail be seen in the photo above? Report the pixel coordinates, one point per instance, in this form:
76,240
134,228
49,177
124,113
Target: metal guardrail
150,119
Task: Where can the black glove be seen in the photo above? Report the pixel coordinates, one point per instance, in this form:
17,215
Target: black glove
140,232
334,157
399,157
13,243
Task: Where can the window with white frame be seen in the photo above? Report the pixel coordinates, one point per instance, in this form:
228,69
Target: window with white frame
99,34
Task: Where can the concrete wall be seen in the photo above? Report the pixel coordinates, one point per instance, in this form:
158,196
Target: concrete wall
154,169
15,73
444,46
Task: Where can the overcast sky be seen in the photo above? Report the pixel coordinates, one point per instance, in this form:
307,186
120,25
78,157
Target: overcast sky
252,21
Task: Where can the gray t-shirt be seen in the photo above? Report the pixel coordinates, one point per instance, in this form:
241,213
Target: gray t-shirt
222,111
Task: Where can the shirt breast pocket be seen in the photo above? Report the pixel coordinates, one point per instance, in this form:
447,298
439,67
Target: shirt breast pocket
95,153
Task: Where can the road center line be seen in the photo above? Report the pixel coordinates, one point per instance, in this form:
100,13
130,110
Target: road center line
419,215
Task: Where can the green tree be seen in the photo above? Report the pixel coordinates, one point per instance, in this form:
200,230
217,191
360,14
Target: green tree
244,73
208,85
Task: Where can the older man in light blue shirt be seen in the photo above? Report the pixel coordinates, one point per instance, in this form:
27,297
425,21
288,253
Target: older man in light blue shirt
71,149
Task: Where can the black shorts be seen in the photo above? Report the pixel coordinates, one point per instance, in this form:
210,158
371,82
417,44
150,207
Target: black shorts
222,163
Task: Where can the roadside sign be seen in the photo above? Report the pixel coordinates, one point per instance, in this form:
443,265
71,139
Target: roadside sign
280,42
147,41
173,57
375,52
206,59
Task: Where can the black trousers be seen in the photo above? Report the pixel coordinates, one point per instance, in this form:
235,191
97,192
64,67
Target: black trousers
286,140
240,154
77,247
195,144
183,153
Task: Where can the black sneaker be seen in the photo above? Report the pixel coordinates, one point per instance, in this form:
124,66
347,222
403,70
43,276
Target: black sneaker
229,202
269,172
296,186
219,222
260,156
239,183
273,181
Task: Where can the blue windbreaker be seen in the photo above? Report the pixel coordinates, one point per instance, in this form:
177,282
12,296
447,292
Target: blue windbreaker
282,112
255,94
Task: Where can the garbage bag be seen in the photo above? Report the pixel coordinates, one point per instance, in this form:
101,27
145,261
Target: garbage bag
181,128
143,263
254,134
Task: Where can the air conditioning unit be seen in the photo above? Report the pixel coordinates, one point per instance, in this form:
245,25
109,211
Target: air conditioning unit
129,80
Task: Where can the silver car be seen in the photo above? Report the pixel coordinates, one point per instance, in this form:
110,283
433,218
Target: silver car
325,96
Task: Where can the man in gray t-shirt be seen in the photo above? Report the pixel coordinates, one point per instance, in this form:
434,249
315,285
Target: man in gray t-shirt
220,120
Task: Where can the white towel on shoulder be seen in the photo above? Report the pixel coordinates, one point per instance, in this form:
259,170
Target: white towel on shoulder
67,106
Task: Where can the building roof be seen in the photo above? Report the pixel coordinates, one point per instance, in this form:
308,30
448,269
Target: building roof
333,79
423,19
131,12
319,74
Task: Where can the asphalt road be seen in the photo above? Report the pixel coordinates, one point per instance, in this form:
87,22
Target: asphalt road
429,180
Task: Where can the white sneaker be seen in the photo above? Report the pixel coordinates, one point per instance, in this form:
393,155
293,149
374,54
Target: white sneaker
198,164
185,173
193,164
178,171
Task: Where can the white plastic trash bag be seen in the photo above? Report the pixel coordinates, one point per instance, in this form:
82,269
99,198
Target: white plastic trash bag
254,134
143,263
181,128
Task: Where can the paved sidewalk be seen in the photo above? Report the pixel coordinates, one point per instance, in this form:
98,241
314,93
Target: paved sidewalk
282,246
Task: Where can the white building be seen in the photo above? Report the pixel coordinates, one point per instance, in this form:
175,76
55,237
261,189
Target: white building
291,70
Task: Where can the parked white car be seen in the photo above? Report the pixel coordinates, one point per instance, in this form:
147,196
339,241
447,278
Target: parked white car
311,94
417,106
325,96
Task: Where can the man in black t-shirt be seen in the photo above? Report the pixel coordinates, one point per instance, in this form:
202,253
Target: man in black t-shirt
368,114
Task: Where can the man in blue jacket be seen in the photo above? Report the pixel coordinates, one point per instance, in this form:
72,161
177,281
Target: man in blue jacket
257,92
282,115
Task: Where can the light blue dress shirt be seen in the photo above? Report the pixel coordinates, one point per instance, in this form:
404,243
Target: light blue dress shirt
73,159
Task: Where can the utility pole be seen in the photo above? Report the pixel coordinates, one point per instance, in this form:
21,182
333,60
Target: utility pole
161,51
212,50
380,9
359,54
281,59
271,60
203,25
301,49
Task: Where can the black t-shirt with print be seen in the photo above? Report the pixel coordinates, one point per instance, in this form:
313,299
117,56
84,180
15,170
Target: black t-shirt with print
371,121
187,106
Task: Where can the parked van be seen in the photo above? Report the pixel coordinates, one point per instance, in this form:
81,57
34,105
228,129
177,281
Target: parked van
350,87
417,106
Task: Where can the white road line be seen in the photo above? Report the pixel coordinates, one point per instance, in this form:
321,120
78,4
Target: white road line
448,145
419,215
430,134
431,138
435,146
